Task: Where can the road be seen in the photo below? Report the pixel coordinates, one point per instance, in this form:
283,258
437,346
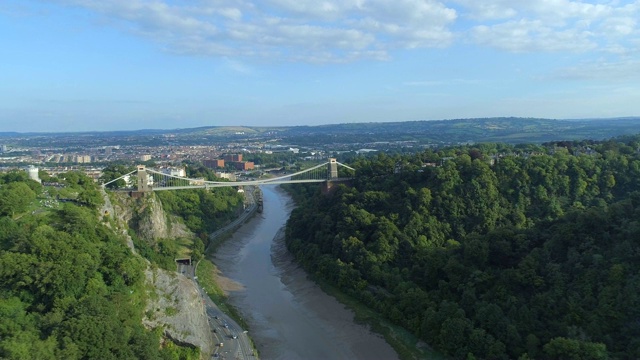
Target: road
232,341
250,209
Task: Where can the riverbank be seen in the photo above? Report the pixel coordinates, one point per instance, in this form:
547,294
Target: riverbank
404,343
219,309
290,316
407,345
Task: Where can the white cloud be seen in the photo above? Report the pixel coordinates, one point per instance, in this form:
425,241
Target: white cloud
533,36
619,26
610,71
231,13
538,9
347,30
299,30
318,9
489,10
238,67
552,25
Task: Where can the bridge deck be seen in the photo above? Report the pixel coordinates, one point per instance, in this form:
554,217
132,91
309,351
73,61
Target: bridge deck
153,180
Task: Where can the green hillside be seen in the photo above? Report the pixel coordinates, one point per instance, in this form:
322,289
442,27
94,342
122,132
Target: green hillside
497,252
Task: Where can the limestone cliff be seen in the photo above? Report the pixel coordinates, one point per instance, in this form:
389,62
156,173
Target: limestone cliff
177,306
174,302
147,218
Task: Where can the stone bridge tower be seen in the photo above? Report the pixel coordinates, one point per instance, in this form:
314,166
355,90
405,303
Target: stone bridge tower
143,179
333,169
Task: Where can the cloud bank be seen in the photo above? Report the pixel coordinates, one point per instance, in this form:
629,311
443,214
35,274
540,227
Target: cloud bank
329,31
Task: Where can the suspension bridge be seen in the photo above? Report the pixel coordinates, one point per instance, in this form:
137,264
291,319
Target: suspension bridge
145,179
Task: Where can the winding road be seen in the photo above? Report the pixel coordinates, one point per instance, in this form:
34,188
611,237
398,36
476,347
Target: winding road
232,342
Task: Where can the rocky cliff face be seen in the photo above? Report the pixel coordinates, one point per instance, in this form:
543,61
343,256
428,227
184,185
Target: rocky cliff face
147,217
174,302
156,224
176,305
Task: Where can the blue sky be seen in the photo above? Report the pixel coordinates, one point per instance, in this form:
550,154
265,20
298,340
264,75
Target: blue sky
78,65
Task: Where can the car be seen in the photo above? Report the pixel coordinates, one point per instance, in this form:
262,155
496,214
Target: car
234,336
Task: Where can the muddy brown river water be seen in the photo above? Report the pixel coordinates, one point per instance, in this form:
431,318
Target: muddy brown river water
289,316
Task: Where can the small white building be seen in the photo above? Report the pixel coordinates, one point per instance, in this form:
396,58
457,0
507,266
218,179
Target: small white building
175,171
33,173
225,175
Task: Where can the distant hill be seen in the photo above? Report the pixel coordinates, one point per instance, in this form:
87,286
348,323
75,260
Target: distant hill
503,129
10,134
510,130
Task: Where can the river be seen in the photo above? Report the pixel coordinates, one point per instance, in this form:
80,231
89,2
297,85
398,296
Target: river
288,315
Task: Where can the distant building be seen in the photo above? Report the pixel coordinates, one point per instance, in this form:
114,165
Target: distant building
145,157
33,173
3,148
82,159
244,165
214,164
364,151
226,175
233,157
197,182
174,171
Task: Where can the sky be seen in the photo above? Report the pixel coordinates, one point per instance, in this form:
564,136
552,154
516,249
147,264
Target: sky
99,65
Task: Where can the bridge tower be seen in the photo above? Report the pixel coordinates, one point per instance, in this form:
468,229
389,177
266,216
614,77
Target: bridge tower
143,179
333,169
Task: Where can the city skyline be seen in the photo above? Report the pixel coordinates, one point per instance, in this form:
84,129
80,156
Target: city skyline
90,65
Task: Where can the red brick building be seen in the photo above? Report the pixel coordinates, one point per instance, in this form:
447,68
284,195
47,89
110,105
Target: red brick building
233,157
243,165
214,164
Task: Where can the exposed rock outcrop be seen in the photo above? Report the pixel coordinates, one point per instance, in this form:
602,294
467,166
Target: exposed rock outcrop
153,223
147,217
177,306
174,302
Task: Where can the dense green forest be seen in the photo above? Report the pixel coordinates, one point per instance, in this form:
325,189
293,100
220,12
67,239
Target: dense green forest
203,211
489,252
69,287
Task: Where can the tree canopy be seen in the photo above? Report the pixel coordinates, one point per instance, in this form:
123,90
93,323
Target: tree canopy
488,252
70,288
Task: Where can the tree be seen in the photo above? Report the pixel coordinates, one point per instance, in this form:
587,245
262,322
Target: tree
571,349
15,197
113,172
